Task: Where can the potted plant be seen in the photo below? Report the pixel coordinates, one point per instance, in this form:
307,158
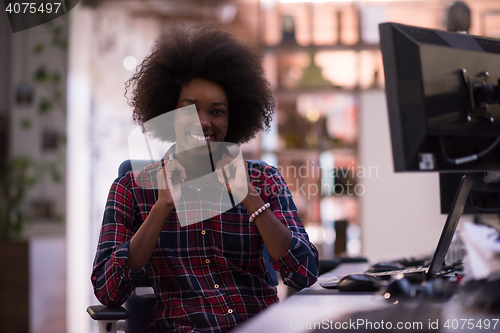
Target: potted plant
17,176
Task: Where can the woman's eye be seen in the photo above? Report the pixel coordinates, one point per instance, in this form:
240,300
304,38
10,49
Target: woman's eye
219,111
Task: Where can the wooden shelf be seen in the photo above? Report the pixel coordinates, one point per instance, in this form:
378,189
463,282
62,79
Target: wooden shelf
306,152
287,48
287,94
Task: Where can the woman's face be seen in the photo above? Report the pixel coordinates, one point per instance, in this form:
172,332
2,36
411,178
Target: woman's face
213,115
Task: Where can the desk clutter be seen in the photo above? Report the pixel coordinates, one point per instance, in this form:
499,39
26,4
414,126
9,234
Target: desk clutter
475,286
482,245
425,307
448,282
420,306
481,289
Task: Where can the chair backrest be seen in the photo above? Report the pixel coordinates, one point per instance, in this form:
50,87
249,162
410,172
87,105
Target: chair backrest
271,273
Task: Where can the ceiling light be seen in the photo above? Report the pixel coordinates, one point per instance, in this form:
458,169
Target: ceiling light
130,63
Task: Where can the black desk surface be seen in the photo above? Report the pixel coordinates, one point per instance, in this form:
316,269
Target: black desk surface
316,305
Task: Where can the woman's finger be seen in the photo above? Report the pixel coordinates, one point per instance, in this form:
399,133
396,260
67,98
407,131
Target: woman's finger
175,165
169,181
227,170
217,170
220,169
163,175
219,175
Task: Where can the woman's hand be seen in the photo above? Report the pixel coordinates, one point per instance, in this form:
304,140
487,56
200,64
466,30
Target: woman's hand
143,242
234,173
169,177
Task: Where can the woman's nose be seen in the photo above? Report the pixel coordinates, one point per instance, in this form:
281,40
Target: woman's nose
204,119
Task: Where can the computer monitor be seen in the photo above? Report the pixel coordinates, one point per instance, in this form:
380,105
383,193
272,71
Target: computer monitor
443,97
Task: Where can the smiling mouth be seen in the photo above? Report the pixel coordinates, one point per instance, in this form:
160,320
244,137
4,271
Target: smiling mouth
201,138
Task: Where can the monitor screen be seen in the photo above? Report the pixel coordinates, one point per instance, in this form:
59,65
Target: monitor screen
443,94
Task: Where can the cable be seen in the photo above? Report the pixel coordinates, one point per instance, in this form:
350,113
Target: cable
482,209
466,159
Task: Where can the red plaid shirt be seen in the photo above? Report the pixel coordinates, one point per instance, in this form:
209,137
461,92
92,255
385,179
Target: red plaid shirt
208,276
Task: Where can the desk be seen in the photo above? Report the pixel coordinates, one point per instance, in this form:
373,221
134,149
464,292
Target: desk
312,304
315,304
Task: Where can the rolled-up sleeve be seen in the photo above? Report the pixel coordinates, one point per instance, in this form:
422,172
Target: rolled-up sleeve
299,266
113,281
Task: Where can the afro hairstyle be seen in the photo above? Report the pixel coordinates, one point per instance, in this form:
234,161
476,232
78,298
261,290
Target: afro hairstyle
209,53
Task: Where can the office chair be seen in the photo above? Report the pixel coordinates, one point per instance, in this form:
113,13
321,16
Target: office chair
137,312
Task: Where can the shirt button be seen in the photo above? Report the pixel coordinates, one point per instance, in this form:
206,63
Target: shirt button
203,232
207,261
230,311
216,286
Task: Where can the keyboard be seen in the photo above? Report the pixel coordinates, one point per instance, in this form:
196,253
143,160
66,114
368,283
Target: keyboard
415,274
402,271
